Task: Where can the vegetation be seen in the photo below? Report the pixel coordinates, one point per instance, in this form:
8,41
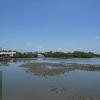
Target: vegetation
75,54
25,55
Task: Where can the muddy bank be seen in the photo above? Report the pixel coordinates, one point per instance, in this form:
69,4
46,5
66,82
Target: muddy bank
55,69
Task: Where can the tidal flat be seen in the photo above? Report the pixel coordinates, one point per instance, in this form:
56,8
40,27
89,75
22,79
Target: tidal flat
51,79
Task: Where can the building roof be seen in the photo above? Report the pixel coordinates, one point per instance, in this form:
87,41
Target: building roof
7,53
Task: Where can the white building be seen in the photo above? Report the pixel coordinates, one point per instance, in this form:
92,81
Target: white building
10,54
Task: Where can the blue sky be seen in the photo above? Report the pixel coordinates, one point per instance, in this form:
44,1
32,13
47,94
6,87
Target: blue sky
65,25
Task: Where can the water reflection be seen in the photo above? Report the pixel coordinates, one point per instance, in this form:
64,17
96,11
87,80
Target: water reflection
59,81
57,90
82,98
6,62
56,69
45,69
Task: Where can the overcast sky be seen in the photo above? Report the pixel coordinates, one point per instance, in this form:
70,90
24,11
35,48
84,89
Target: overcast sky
65,25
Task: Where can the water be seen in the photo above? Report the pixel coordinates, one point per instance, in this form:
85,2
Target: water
51,79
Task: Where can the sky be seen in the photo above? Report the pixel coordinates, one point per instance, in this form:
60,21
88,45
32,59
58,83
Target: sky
63,25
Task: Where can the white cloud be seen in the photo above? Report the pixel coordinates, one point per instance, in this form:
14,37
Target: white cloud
59,49
28,44
40,48
96,37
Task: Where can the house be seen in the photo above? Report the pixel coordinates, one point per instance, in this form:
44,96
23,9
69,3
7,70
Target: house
7,54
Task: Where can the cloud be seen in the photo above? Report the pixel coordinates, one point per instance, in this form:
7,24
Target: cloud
28,44
40,48
96,37
59,49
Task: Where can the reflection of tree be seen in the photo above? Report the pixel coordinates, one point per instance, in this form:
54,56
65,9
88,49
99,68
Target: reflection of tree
5,62
57,90
55,69
81,98
45,69
8,61
85,67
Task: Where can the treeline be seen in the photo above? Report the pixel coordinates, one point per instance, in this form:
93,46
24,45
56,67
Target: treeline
25,55
75,54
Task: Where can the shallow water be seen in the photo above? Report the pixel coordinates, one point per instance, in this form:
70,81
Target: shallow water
50,79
